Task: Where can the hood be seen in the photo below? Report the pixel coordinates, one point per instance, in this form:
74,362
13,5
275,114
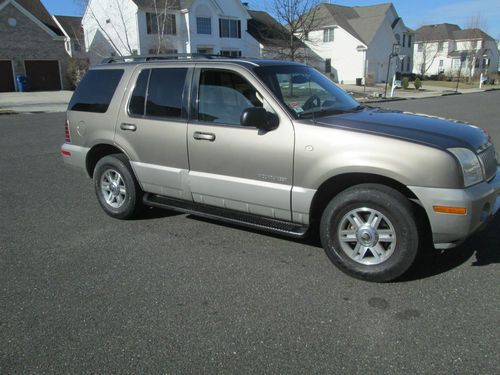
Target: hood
432,131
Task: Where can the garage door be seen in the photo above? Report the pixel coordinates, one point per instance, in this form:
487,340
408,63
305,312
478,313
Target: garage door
6,77
43,75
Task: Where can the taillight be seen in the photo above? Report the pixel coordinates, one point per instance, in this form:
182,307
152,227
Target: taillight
66,132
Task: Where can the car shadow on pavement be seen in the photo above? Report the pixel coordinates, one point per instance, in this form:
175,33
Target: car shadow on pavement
150,213
483,246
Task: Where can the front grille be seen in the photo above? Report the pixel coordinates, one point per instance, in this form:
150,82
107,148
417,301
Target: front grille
489,162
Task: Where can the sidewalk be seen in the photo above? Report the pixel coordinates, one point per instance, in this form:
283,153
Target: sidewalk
33,102
377,92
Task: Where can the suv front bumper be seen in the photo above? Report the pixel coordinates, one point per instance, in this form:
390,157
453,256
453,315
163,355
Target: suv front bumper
482,202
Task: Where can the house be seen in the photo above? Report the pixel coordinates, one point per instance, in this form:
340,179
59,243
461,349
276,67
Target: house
31,44
446,49
358,42
73,35
132,27
274,40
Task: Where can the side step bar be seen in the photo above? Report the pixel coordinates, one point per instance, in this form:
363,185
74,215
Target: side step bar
229,216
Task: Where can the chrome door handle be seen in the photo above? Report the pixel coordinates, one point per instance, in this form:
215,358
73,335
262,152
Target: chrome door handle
129,127
204,136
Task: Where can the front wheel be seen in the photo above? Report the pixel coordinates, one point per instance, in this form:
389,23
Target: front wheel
370,232
116,188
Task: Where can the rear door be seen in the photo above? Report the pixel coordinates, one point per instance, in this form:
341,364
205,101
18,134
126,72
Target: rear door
237,167
151,128
6,76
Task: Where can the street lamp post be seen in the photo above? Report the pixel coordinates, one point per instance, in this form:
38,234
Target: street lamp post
395,52
485,68
362,48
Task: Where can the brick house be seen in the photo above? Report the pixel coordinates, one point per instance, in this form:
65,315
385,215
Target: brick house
31,44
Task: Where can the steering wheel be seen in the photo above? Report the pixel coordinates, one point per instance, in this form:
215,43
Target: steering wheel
314,101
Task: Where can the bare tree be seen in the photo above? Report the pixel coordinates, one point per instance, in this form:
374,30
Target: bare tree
115,30
472,41
299,17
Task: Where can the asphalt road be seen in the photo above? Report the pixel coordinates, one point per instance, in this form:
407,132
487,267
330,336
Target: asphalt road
172,294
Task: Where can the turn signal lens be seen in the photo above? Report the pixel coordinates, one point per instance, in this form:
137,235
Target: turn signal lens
450,210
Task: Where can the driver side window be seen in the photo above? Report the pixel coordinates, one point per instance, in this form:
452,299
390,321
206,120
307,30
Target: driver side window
300,93
224,95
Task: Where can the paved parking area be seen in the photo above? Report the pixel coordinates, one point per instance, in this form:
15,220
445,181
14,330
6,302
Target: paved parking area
172,294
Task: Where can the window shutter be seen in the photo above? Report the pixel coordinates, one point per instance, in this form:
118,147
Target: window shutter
220,28
174,26
239,29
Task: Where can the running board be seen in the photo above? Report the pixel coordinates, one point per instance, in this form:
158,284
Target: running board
229,216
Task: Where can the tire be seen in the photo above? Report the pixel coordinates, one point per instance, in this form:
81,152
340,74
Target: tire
370,232
117,190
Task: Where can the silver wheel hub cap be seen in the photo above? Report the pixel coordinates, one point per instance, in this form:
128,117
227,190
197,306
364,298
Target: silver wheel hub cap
367,236
113,188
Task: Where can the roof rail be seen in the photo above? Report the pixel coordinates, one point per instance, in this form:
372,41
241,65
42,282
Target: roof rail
175,56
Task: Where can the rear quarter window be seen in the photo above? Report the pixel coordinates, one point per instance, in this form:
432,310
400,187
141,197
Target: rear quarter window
95,91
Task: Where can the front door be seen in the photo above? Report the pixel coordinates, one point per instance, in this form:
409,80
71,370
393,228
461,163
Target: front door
152,129
232,166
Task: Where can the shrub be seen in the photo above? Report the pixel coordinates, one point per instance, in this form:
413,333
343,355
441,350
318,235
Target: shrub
75,71
417,83
405,83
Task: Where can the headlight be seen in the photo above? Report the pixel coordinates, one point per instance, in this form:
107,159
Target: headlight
471,167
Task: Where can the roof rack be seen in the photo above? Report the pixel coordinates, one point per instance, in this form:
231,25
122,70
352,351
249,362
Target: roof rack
175,56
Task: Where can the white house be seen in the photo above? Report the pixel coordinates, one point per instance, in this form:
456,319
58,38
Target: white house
357,42
444,48
274,40
129,27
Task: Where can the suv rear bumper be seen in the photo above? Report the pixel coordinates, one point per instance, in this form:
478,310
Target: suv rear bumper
482,202
74,156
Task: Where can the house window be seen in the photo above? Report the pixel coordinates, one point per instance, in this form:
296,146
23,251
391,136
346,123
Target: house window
404,39
408,62
476,65
440,46
158,22
474,45
409,40
328,35
204,25
420,47
328,65
230,53
229,28
441,63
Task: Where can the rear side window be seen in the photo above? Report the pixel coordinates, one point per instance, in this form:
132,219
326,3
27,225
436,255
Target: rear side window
138,100
166,88
95,91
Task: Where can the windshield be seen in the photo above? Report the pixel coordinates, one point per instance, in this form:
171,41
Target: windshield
306,92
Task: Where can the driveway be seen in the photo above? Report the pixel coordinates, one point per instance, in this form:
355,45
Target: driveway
35,102
173,294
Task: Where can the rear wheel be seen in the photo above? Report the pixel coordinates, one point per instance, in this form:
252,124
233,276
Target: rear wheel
116,188
369,231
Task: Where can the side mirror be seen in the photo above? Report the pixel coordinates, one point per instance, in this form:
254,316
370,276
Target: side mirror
258,117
